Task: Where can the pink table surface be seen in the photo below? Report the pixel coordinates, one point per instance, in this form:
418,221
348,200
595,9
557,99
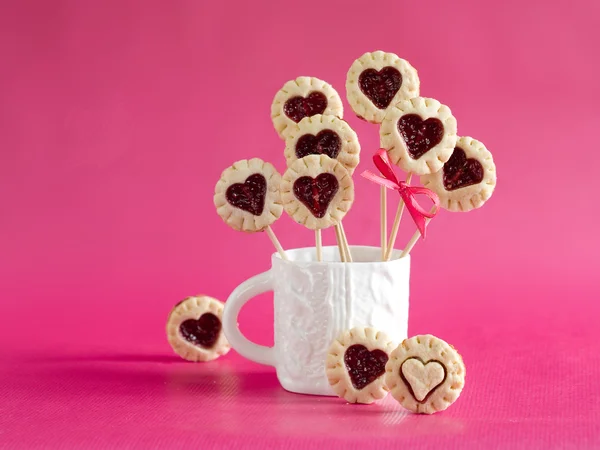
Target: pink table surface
533,376
116,119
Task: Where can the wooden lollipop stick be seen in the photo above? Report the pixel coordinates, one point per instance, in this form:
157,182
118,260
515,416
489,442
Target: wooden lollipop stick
383,208
276,243
414,238
319,245
346,246
396,226
340,243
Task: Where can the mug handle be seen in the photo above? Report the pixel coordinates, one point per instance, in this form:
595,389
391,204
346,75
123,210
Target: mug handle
238,298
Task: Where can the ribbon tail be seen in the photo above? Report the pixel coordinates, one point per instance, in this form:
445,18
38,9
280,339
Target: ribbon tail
419,220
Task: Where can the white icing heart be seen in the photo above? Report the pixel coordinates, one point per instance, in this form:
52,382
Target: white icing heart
423,378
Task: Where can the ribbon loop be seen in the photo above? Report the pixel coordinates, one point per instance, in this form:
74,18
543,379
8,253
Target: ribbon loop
407,192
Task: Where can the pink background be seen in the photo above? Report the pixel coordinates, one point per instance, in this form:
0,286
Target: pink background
116,119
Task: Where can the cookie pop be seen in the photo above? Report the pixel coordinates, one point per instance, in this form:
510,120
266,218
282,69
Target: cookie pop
247,198
323,135
303,97
419,135
376,82
317,192
466,181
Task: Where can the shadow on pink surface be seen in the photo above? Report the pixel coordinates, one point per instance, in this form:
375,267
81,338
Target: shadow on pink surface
159,400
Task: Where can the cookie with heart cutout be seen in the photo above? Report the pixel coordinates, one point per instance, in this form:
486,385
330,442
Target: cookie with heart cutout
247,195
317,191
378,80
425,374
419,135
323,135
194,329
303,97
467,179
355,365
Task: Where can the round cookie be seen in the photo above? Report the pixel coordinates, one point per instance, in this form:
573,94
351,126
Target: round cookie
247,195
355,365
303,97
425,374
317,191
419,135
323,135
468,178
377,81
194,329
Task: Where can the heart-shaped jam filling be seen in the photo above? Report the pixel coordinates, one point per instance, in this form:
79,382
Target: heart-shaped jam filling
420,135
297,108
326,142
422,379
203,332
380,86
364,366
460,171
316,193
249,195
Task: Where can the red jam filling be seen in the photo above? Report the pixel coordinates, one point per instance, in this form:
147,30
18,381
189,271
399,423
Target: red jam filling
250,195
297,108
203,332
460,171
380,86
326,142
364,366
410,389
420,135
316,193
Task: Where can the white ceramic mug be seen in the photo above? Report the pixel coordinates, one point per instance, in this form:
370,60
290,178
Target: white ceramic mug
314,302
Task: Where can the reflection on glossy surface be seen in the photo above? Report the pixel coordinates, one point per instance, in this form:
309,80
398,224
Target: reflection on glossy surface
145,400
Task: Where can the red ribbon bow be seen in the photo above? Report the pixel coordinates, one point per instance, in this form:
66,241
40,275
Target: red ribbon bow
406,191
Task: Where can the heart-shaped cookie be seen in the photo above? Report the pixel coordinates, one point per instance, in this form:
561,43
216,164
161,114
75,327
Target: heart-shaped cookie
316,193
301,98
460,171
194,329
326,142
467,179
420,135
378,80
297,108
356,363
422,378
249,195
364,366
425,374
380,86
203,331
323,135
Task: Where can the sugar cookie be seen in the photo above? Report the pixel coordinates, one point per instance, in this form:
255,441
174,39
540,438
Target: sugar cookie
317,191
377,81
468,178
355,365
425,374
194,329
323,135
303,97
419,135
247,195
